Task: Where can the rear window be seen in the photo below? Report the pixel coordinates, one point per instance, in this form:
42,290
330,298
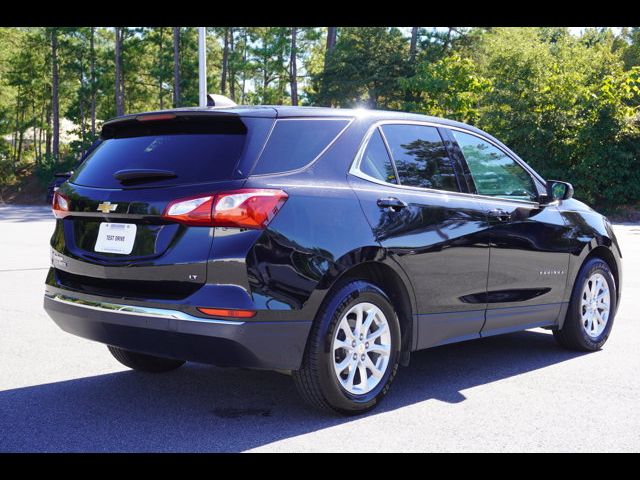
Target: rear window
294,143
193,157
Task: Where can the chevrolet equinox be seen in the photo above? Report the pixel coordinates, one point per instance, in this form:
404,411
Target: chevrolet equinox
330,243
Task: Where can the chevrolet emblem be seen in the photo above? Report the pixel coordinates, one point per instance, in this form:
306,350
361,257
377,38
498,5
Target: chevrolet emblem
106,207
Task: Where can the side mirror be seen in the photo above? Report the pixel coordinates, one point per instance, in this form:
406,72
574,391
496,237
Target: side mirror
557,190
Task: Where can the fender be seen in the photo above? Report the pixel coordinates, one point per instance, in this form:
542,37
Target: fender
592,233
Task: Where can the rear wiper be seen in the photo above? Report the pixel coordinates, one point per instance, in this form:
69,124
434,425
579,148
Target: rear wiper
142,174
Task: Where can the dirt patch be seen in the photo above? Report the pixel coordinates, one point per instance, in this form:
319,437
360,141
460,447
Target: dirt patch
28,191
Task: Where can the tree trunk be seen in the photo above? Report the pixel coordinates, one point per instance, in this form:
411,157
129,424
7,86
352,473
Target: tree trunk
293,67
119,77
265,79
20,138
244,71
81,93
160,91
332,34
14,140
35,135
40,133
225,61
92,77
48,134
55,103
81,107
176,66
414,44
232,73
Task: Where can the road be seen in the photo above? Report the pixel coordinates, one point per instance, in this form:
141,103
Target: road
518,392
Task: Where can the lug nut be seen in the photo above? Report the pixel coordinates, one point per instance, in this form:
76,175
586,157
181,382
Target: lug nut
362,358
355,356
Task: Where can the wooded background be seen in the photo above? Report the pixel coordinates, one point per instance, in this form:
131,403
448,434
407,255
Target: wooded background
568,104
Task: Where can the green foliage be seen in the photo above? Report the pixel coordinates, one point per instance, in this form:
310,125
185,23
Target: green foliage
567,104
448,87
363,69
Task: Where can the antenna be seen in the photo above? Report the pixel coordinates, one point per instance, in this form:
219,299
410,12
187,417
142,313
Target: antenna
214,100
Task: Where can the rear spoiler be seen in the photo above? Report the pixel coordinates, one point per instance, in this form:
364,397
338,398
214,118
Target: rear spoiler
173,122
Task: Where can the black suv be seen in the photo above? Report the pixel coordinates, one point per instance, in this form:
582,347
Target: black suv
329,243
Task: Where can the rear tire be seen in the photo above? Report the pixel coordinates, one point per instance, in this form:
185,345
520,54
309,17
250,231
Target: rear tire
588,324
353,351
143,362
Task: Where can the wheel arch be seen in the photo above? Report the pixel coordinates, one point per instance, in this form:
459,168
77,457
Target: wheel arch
592,250
379,269
607,256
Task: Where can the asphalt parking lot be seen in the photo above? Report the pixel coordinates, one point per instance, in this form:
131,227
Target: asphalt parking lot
518,392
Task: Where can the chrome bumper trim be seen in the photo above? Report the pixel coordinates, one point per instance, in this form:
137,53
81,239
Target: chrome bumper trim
135,310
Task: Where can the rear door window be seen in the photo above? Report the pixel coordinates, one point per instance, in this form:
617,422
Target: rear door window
376,162
420,157
294,143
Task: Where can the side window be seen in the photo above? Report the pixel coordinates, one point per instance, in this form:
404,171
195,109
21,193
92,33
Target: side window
294,143
420,157
493,171
375,160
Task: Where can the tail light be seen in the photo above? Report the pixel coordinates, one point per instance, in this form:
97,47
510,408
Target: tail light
248,208
60,205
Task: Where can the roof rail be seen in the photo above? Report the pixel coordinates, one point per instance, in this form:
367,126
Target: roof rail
214,100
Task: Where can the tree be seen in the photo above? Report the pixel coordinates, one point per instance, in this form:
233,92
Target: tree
55,102
450,87
176,66
225,62
363,68
118,72
92,55
631,54
293,67
269,51
414,44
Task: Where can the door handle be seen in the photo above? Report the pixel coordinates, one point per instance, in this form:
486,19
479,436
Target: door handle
499,215
391,203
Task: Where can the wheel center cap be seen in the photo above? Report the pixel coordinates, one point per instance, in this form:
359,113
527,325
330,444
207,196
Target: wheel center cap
360,348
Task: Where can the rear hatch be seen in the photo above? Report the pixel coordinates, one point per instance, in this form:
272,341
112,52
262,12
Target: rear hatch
114,241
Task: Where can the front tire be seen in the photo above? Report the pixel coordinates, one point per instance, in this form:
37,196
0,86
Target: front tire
143,362
591,310
353,351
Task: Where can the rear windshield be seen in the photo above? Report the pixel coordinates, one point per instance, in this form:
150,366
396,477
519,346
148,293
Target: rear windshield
192,157
295,143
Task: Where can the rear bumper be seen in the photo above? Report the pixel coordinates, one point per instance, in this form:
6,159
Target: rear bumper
175,334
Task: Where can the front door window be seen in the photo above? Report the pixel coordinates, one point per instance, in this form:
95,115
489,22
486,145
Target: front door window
494,172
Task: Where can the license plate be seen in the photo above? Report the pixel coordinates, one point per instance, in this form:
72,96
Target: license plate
116,238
